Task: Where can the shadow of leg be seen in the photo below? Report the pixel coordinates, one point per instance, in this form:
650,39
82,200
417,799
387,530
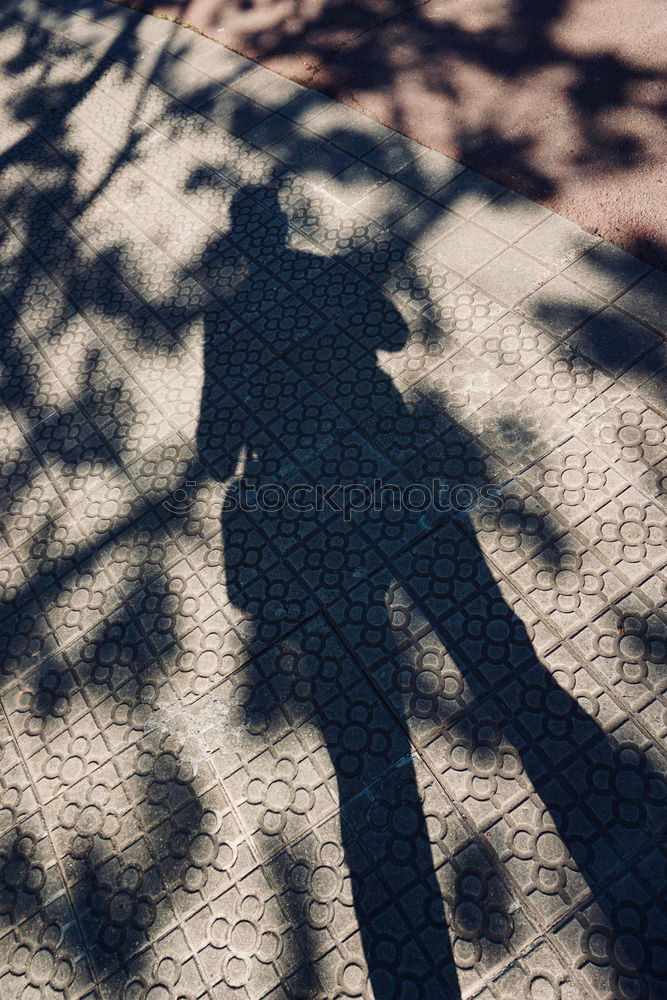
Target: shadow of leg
397,898
567,795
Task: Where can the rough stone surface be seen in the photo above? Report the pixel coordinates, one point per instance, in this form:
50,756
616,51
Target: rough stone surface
357,748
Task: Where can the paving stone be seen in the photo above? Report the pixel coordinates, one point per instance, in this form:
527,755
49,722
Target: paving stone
629,527
359,142
495,784
464,312
632,435
389,202
464,382
245,939
608,952
430,172
647,377
306,105
624,646
541,969
573,480
606,270
46,951
353,184
273,129
556,241
467,193
392,155
646,300
516,526
511,276
411,742
510,216
511,345
465,874
425,224
467,248
560,305
612,340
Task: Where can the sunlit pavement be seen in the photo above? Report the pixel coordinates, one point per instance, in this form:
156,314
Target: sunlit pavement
290,751
560,100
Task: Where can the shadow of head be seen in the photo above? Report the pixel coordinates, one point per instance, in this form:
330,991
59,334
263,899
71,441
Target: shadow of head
257,223
329,294
256,209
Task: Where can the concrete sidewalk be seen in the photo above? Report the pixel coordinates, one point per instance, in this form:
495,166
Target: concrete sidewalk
563,101
259,746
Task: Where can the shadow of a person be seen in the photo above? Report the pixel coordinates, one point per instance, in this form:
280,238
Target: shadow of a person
304,407
259,406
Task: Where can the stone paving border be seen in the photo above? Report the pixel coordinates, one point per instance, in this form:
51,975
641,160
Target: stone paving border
172,819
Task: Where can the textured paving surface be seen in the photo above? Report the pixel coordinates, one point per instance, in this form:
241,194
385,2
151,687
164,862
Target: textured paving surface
405,751
561,100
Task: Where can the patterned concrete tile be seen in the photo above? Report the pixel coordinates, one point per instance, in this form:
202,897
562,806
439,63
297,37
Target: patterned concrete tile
244,941
511,345
516,527
632,436
574,480
46,953
464,311
625,646
619,954
485,925
629,533
407,737
461,385
569,583
18,797
497,773
31,879
168,966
